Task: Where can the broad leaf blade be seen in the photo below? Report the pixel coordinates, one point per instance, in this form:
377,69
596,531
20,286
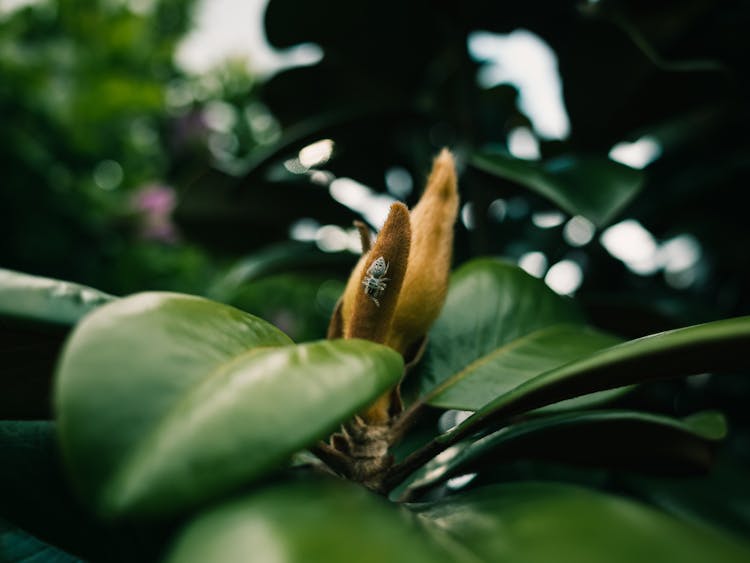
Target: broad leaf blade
595,187
304,522
490,304
191,398
514,363
543,522
612,439
719,345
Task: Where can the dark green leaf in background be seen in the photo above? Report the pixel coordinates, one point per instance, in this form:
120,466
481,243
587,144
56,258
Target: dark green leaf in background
16,546
282,258
720,499
38,501
595,187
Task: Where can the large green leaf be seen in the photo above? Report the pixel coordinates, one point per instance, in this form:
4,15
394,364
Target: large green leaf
305,522
595,187
167,400
719,345
35,315
611,439
716,346
544,522
490,304
514,363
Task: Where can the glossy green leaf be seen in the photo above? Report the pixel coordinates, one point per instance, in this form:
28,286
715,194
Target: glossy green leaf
490,304
305,522
715,346
167,400
544,522
35,315
611,439
34,298
595,187
518,361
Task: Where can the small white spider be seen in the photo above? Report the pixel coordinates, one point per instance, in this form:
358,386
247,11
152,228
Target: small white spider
374,282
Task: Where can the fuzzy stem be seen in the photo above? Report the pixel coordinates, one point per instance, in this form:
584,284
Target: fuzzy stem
364,236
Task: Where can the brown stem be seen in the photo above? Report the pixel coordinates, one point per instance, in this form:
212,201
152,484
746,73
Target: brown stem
333,458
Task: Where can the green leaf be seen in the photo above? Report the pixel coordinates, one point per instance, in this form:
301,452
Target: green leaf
302,522
715,346
33,298
17,546
35,496
167,400
276,259
544,522
490,304
514,363
35,315
595,187
300,303
611,439
719,499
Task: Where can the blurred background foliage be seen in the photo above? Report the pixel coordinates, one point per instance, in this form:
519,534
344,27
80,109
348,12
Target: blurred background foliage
602,145
124,171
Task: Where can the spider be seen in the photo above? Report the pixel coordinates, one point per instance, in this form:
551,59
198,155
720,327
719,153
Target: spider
374,282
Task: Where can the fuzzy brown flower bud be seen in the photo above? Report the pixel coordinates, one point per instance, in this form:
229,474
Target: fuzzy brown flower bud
427,275
416,248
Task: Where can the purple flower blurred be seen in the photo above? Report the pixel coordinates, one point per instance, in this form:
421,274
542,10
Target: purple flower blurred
154,204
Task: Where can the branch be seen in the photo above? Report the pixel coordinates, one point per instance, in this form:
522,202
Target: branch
333,458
